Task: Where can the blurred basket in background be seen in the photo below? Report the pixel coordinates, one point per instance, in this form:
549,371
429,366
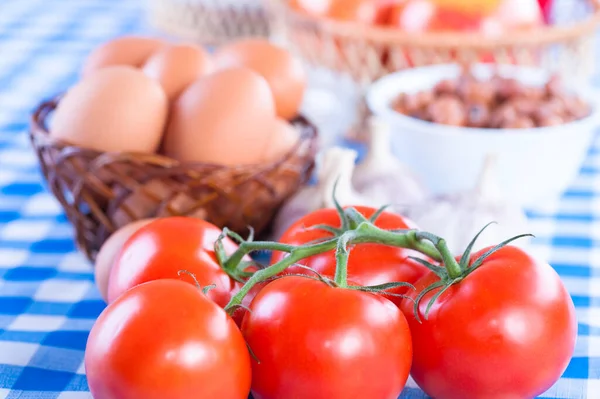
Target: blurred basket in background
101,192
210,22
364,53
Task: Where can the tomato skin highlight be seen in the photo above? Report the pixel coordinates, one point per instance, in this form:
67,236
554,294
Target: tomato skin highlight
368,264
508,330
319,342
164,247
166,339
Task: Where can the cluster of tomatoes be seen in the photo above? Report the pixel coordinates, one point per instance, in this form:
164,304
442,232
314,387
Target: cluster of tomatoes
505,328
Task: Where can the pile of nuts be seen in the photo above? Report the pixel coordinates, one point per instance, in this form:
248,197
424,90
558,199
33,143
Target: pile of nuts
497,103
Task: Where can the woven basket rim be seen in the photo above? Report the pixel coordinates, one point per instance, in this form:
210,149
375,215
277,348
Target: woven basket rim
545,35
39,129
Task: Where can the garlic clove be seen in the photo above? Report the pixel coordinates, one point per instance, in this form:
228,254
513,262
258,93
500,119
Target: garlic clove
459,217
340,164
381,176
487,188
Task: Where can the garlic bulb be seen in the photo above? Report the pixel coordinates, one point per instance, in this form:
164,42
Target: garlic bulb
382,177
458,218
335,165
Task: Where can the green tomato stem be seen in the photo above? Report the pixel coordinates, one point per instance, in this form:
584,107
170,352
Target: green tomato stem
230,265
452,266
341,258
409,239
296,254
364,233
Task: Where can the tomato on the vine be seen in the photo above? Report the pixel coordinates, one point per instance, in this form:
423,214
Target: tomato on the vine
315,341
166,246
368,264
166,339
506,330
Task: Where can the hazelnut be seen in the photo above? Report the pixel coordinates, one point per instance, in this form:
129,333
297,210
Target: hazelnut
477,92
576,108
447,110
478,115
534,93
446,86
552,120
509,88
554,86
496,103
523,106
521,122
503,115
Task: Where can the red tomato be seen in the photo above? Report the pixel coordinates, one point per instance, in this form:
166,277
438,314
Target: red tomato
166,339
314,341
507,330
368,264
164,247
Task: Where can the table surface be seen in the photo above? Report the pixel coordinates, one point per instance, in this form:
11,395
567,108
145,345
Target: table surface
48,301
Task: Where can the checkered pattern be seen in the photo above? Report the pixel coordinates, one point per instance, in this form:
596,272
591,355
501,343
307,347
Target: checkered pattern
48,301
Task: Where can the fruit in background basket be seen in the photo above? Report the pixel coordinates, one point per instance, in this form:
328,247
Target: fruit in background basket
126,50
283,71
115,109
226,118
546,6
492,17
177,66
109,251
368,12
364,11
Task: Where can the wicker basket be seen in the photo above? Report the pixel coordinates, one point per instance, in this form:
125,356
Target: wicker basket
366,53
101,192
210,22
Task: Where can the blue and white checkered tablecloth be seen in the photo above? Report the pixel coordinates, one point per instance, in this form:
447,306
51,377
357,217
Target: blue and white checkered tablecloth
48,301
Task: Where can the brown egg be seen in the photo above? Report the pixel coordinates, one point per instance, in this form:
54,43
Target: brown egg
283,71
224,118
126,50
108,252
177,66
115,109
284,136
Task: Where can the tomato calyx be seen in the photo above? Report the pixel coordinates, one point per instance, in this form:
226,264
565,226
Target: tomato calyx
350,219
236,267
450,274
355,229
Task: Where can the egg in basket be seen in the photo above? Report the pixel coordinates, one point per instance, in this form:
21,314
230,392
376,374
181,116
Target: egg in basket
158,129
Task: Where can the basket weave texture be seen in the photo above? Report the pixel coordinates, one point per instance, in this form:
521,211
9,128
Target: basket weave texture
366,53
101,192
210,22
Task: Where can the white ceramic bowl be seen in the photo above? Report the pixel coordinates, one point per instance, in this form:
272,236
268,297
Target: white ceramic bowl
533,164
